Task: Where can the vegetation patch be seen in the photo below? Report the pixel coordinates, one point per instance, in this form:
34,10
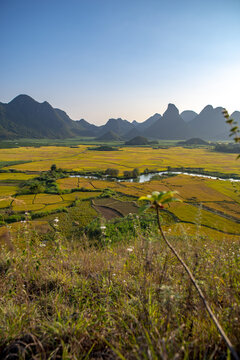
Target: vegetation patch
122,207
77,195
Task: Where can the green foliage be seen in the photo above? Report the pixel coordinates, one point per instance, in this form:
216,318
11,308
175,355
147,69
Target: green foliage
112,172
135,173
228,148
46,182
104,148
158,199
234,128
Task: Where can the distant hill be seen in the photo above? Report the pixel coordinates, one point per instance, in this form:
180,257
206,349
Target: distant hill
109,136
138,140
193,141
188,115
145,124
169,126
24,117
236,115
132,133
89,129
118,126
209,124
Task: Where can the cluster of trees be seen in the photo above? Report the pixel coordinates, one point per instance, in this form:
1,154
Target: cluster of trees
131,173
46,182
228,148
112,172
128,174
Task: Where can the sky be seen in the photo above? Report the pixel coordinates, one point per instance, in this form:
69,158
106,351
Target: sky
98,59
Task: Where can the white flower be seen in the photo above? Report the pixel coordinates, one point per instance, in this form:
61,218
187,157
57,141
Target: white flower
130,249
42,245
103,227
56,220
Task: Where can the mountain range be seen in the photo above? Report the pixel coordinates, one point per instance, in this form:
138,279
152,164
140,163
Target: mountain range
24,117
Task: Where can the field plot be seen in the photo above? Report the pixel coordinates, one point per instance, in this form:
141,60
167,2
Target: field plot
229,208
15,176
223,210
7,190
27,207
78,195
195,231
47,199
198,216
5,203
122,207
74,183
82,159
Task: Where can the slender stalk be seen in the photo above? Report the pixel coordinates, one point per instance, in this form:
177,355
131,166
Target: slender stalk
209,310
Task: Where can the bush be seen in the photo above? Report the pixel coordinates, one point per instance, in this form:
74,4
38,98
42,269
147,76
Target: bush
112,172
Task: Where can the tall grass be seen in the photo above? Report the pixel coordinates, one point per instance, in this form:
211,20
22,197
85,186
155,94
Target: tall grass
66,299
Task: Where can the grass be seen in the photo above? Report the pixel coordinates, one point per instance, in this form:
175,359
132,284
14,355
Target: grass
71,300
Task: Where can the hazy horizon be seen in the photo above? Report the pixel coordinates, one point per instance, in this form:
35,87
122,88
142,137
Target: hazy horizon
100,60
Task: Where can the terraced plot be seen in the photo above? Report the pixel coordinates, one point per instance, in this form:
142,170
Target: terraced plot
7,190
15,176
121,207
198,216
78,195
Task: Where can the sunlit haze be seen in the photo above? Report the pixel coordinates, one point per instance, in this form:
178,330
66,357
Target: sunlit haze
104,58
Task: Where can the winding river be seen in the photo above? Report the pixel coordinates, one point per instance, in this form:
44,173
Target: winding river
147,177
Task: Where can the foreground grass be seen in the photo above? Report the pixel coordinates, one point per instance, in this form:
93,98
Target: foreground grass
131,300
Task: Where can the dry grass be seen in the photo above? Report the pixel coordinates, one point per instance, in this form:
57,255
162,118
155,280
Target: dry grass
70,300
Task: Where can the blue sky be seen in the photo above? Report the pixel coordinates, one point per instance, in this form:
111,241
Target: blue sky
98,59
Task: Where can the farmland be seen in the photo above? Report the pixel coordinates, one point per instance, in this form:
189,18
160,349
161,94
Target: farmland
82,159
75,245
214,204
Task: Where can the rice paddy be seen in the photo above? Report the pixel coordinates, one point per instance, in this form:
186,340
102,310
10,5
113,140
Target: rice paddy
82,159
214,204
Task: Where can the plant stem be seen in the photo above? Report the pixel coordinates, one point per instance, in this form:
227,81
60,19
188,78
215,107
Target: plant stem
211,314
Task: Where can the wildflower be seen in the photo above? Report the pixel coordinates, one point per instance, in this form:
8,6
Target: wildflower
102,227
130,249
42,245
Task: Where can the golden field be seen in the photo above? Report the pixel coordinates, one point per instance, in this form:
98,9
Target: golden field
215,204
211,203
81,159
